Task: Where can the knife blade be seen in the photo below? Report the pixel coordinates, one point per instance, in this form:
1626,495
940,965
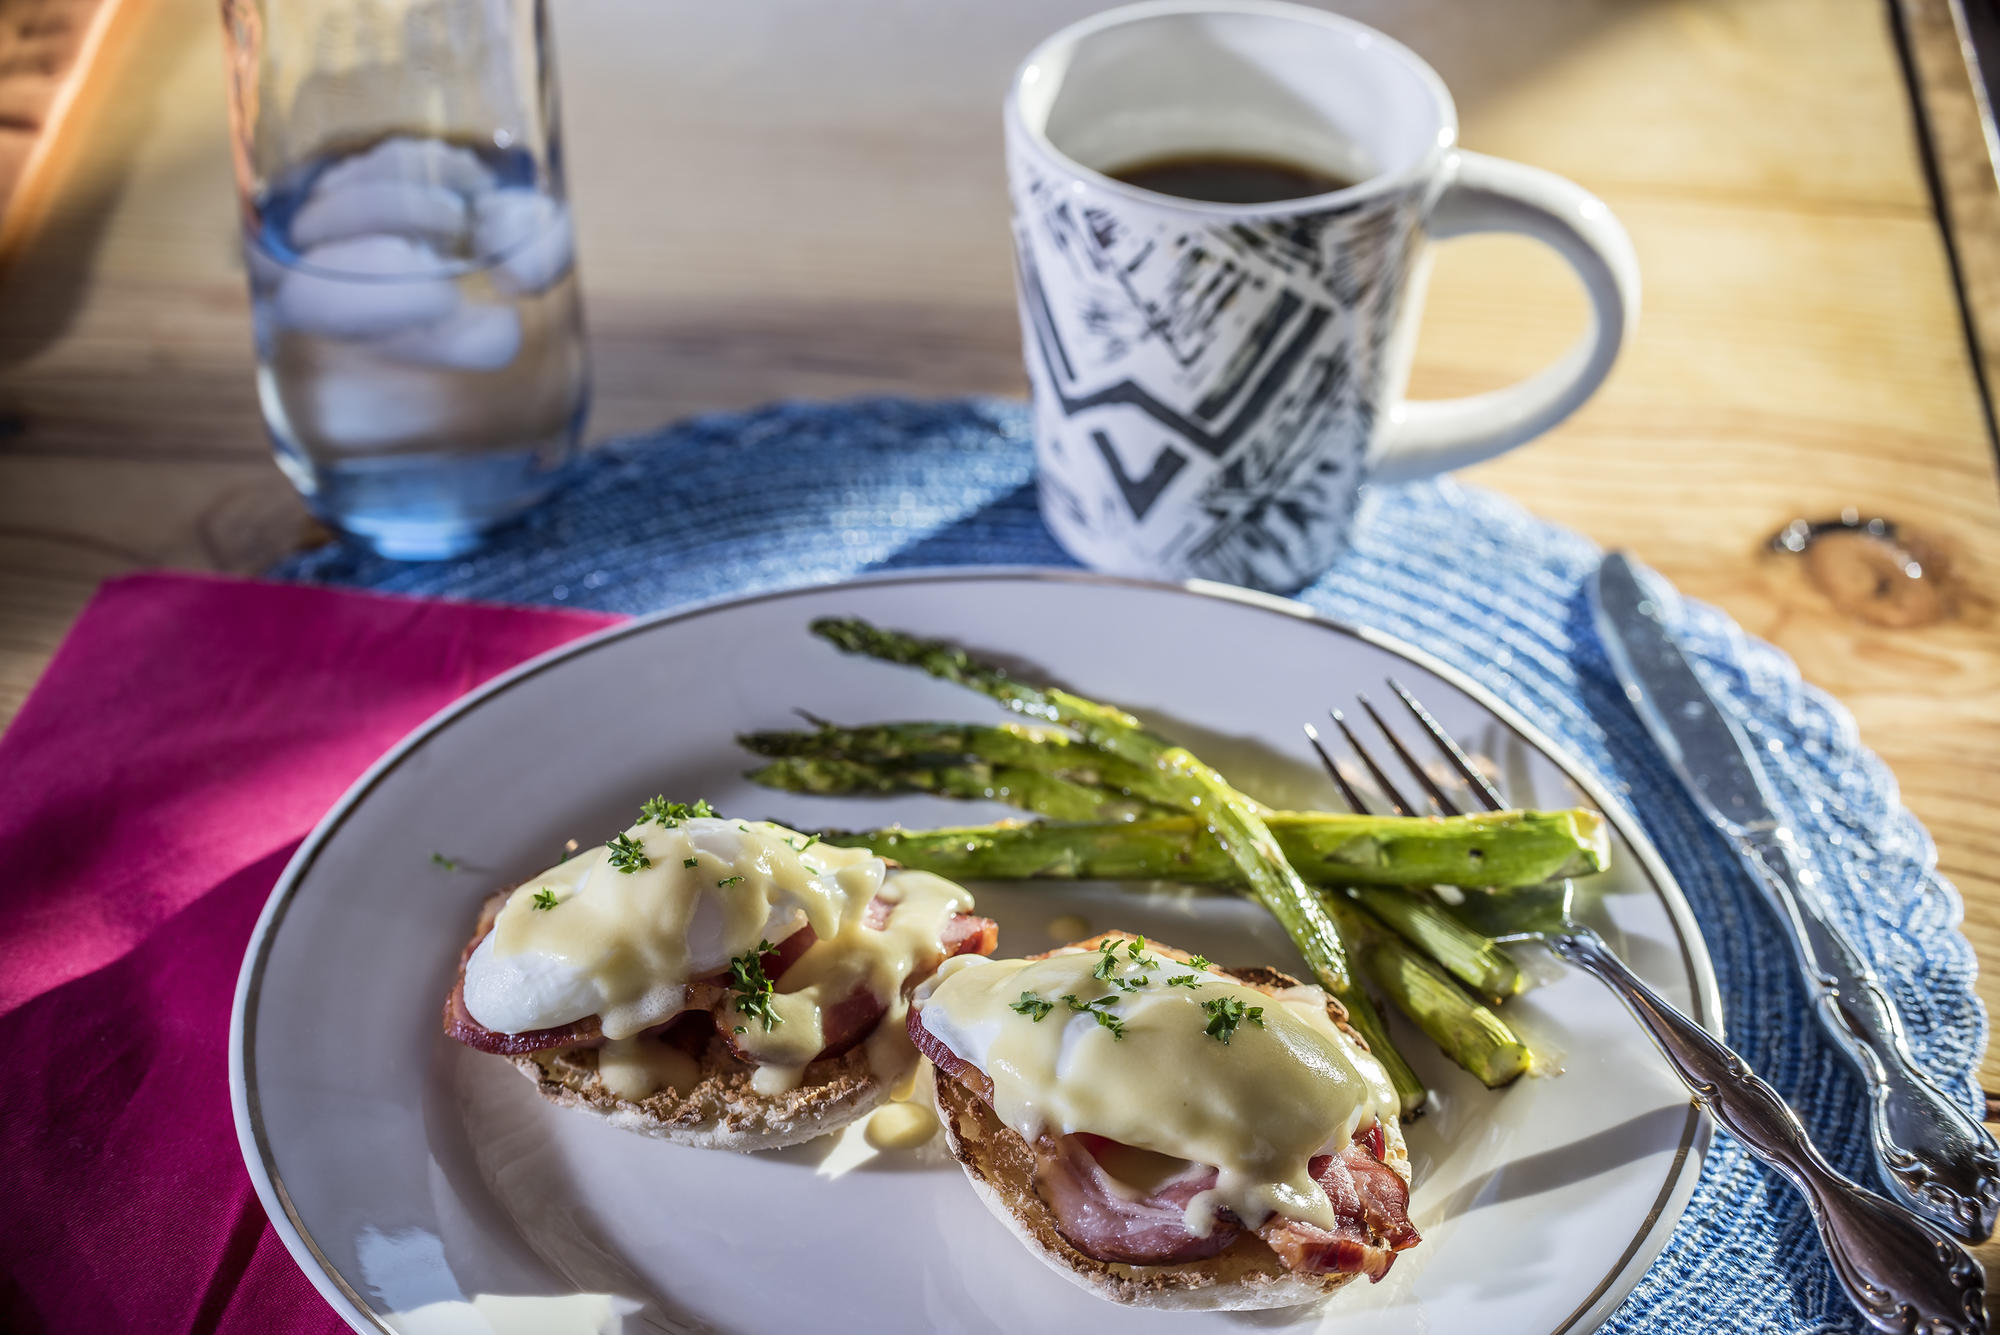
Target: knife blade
1706,747
1932,1155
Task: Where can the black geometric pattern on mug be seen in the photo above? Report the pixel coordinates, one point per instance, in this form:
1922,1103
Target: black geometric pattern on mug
1267,529
1191,290
1256,376
1191,301
1278,509
1141,492
1277,357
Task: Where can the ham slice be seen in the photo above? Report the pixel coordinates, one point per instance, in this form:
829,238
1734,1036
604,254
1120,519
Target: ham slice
1107,1223
848,1021
949,1063
1099,1218
779,961
845,1023
1370,1199
1371,1206
965,934
459,1024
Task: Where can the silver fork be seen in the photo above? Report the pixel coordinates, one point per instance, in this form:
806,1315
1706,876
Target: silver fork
1902,1272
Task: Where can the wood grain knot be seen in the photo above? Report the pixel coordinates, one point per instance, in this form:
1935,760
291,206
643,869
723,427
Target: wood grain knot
1874,570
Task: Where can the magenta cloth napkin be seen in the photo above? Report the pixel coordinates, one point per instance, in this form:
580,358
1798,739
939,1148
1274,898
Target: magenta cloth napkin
187,736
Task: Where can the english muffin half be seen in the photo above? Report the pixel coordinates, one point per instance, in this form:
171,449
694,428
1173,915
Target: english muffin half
718,983
1164,1132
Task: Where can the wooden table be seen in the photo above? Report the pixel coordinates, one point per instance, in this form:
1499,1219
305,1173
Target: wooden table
791,198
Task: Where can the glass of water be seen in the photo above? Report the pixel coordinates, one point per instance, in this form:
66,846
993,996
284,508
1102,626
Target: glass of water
420,358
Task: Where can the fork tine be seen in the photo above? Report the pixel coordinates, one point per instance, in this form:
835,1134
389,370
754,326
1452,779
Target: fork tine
1482,787
1382,781
1354,802
1444,804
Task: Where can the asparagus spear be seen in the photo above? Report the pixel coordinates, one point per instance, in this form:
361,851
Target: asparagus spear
1504,848
1051,795
1467,1031
1177,776
1473,959
1016,745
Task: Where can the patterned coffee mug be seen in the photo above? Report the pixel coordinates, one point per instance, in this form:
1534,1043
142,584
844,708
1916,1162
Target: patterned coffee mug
1213,382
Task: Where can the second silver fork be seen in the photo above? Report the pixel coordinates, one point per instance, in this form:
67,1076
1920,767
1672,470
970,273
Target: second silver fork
1903,1273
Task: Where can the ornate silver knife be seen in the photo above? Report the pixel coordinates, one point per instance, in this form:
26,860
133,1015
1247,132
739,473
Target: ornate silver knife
1934,1158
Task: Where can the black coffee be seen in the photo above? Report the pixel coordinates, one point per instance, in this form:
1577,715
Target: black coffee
1229,178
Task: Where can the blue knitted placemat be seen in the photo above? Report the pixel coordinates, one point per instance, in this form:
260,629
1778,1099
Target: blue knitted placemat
809,493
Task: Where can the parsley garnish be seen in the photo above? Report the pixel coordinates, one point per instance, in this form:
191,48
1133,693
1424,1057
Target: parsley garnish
1186,980
690,862
1030,1004
1107,962
1199,962
667,814
800,848
545,898
753,990
1100,1009
449,864
628,854
1225,1013
727,881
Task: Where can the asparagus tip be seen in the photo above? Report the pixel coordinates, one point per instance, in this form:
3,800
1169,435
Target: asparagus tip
849,634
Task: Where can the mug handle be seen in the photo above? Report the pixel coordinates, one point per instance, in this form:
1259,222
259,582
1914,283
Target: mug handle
1494,195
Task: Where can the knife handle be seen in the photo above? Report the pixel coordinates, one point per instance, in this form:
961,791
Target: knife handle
1903,1273
1933,1156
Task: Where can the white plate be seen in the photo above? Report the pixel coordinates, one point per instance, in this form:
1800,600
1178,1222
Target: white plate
424,1187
